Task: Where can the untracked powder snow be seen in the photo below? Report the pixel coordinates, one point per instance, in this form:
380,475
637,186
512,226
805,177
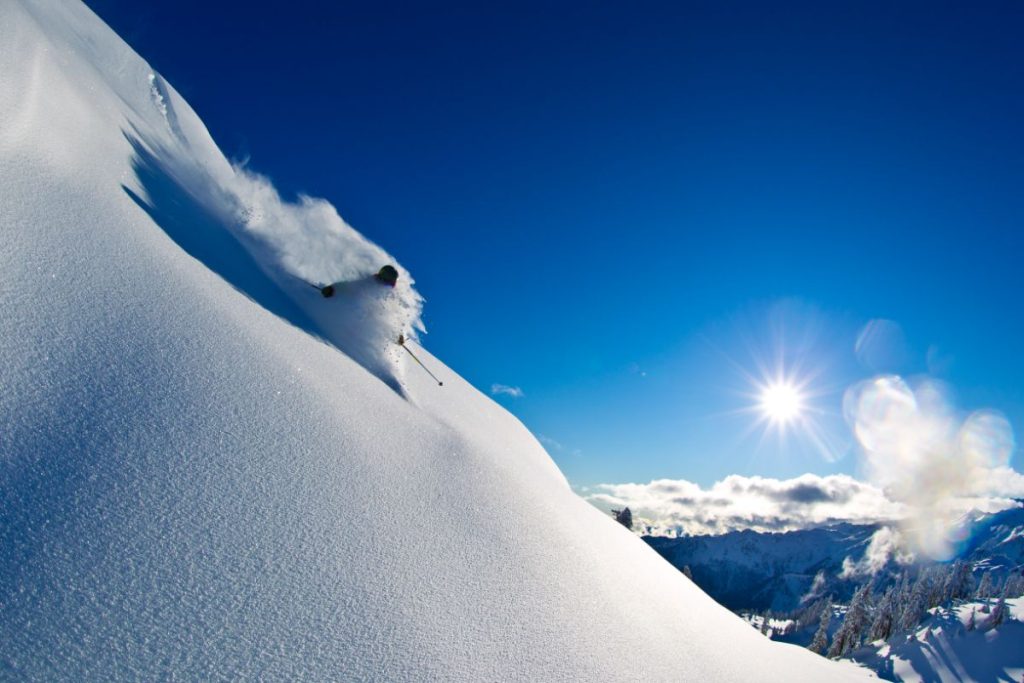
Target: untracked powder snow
208,471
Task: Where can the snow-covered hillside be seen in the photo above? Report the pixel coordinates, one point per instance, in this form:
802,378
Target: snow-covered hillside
208,471
948,648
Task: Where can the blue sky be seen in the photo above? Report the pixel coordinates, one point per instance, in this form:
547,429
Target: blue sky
629,212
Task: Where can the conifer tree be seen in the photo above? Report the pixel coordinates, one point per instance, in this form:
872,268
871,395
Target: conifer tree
998,615
810,614
820,641
959,582
885,617
855,624
936,581
624,517
985,588
1014,586
915,606
904,585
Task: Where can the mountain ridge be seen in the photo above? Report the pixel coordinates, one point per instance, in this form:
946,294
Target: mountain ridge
778,571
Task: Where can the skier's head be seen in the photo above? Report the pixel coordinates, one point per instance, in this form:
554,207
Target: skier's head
388,275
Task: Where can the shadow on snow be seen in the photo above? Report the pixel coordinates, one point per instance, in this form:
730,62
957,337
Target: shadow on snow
207,237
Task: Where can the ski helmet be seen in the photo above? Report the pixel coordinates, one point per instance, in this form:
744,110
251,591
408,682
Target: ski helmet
388,275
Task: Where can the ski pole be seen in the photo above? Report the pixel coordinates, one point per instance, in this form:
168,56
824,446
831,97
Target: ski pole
401,342
326,290
316,287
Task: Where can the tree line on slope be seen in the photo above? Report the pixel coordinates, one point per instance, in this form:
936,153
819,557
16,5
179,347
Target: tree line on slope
902,607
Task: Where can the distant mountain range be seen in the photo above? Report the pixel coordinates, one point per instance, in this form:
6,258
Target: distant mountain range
997,541
749,570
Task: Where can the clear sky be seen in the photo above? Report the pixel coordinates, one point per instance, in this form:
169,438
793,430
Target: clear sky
631,210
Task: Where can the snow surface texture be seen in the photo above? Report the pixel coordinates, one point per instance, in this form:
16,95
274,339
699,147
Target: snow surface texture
193,485
943,650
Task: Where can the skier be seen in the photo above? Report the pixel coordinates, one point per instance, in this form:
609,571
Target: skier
387,275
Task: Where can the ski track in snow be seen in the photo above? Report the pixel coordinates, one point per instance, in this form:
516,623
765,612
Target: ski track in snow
159,91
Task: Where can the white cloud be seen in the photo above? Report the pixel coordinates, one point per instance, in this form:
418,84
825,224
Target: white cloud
548,442
886,544
817,588
499,389
678,506
934,461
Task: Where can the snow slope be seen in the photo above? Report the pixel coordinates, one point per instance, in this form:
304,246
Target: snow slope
944,650
203,475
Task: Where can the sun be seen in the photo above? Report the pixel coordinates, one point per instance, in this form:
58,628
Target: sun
781,402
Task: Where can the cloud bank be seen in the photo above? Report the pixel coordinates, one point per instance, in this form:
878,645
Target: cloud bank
677,506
